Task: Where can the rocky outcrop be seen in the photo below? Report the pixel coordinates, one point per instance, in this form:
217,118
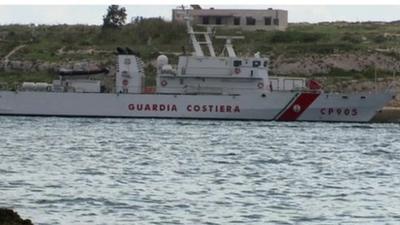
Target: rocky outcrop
90,51
307,65
38,66
9,217
387,115
27,66
322,64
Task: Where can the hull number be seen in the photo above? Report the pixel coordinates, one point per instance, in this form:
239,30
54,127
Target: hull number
339,111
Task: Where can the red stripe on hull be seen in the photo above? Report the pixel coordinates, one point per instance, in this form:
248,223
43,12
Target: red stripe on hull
294,111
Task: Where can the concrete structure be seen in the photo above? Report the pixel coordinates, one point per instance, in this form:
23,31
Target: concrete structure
246,19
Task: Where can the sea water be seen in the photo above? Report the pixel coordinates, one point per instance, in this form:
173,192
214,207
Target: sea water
152,171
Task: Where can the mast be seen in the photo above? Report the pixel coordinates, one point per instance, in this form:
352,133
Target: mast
198,51
196,45
228,44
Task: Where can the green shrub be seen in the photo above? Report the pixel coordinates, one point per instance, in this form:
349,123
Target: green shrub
352,38
295,36
379,39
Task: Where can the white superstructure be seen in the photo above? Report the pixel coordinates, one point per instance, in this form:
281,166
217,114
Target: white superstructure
201,86
130,74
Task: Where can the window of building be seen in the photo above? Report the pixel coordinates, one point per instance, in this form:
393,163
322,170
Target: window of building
267,21
276,21
218,20
250,21
236,21
206,20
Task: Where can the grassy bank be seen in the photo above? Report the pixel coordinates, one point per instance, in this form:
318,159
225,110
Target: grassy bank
69,43
151,35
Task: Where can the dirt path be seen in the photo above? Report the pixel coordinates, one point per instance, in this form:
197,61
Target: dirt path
12,52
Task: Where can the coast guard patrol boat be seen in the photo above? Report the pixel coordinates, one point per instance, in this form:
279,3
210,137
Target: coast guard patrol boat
200,87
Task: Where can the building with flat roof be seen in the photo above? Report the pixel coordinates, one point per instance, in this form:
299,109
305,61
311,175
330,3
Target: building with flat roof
245,19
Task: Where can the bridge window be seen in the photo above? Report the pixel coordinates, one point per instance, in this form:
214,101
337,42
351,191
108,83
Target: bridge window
256,63
237,63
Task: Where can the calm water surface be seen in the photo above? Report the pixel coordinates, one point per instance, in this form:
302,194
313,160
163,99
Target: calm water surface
136,171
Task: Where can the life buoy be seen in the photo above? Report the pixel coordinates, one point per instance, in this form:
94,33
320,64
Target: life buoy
164,83
296,108
237,70
125,82
260,85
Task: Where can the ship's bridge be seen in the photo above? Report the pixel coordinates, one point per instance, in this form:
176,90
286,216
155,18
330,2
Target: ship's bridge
201,74
221,66
214,75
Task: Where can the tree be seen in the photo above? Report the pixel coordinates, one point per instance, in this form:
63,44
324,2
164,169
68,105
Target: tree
115,17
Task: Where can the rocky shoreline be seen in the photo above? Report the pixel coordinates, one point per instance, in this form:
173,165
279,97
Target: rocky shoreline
10,217
387,115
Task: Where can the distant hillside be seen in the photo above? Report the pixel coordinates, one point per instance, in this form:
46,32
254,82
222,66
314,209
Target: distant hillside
331,49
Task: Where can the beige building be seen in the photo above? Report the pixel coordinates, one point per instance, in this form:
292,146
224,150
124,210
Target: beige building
246,19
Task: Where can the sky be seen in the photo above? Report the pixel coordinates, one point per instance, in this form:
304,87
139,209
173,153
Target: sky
92,14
